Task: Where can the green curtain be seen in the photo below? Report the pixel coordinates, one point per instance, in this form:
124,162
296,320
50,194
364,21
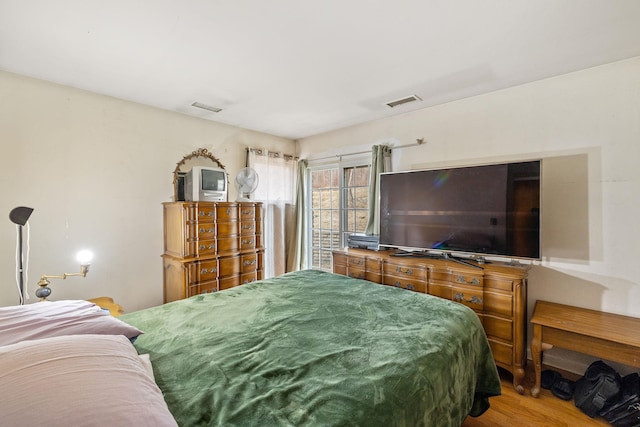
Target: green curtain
380,162
297,248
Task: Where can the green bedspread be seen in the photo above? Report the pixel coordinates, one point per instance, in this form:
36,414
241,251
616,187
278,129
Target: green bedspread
317,349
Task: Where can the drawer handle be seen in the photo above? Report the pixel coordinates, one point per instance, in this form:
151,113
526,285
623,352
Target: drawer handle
205,213
211,246
247,241
408,286
247,227
204,230
246,212
228,211
459,297
356,261
407,271
252,262
205,271
473,281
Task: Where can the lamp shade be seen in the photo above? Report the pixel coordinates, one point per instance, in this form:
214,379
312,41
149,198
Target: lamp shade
20,215
84,257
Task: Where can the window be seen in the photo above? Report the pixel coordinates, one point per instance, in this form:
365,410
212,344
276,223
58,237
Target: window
339,207
355,206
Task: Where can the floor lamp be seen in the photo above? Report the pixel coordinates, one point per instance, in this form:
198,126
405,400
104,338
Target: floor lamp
20,216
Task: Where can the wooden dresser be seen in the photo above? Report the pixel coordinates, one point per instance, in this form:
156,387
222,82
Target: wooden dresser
210,246
497,293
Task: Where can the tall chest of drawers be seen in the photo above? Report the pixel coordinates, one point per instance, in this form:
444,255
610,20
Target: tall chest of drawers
496,293
210,246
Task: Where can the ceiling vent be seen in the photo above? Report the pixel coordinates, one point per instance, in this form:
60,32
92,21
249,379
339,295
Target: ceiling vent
405,100
206,107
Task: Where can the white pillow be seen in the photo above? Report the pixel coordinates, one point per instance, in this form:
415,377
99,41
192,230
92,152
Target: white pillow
78,380
55,318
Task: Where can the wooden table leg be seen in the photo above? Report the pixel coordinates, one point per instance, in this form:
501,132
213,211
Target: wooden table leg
536,355
518,380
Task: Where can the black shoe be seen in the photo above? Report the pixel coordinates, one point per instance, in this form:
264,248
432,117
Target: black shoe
548,377
563,388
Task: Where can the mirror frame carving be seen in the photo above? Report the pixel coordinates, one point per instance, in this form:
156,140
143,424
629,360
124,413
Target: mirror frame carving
200,152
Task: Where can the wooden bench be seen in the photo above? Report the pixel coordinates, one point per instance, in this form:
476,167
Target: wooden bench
604,335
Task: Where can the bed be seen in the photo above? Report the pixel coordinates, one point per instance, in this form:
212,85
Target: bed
317,349
304,349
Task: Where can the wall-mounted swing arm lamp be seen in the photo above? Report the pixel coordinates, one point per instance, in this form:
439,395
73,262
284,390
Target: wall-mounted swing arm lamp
84,258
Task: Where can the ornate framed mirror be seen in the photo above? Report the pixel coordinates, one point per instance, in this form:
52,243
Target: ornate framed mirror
200,157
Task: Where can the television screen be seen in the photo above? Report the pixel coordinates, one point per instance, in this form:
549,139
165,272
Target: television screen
485,210
213,180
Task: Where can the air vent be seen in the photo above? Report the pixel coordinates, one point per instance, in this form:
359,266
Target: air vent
406,100
206,107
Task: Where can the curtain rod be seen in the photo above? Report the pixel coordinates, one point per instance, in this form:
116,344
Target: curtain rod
419,141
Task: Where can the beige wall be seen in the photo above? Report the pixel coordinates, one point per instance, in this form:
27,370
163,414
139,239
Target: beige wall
96,170
586,128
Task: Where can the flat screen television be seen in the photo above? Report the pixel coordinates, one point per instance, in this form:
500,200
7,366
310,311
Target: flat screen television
206,184
487,210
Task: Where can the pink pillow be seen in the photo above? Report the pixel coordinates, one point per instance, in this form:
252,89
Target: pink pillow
55,318
78,380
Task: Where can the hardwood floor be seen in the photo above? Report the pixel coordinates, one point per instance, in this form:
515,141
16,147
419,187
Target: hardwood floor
513,409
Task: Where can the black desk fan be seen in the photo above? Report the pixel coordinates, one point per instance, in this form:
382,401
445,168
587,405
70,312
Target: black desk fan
20,216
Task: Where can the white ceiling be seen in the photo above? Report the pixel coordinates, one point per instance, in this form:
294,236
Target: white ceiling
296,68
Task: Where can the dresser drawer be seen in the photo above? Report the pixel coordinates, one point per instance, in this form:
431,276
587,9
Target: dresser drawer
498,327
498,303
227,228
227,213
227,245
206,247
206,231
356,261
229,282
500,283
373,277
356,273
247,212
403,271
339,259
247,243
439,275
203,271
442,291
248,278
206,213
469,296
373,265
502,352
247,228
229,266
249,263
339,269
466,279
407,283
203,288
